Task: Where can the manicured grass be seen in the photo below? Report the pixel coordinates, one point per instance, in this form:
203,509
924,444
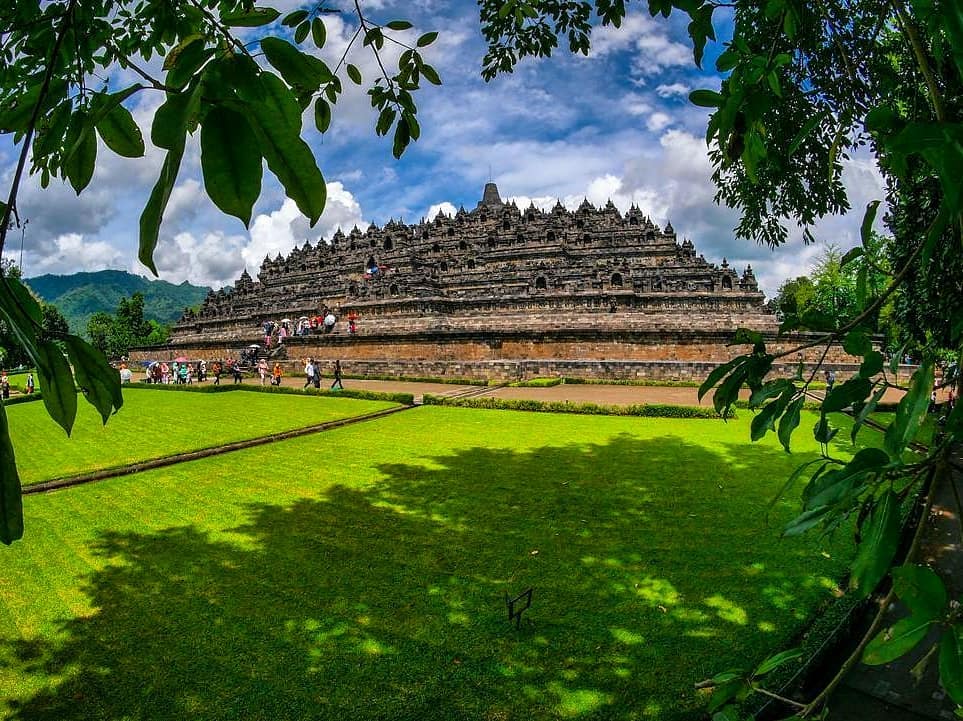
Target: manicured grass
153,424
361,574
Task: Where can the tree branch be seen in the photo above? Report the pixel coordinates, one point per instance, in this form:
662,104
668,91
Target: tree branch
817,703
31,127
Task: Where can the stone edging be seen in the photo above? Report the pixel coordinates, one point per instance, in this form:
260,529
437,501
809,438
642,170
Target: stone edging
82,478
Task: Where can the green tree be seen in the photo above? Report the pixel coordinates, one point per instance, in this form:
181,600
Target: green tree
806,83
55,105
114,335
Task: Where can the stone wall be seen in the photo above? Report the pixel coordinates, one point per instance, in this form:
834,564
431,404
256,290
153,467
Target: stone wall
510,356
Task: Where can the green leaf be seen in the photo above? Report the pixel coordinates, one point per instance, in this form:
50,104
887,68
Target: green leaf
57,382
399,25
774,662
301,71
717,373
846,394
857,342
872,364
921,590
79,164
880,539
318,32
431,75
188,62
822,431
302,32
120,133
354,74
230,162
295,18
250,19
728,391
170,62
276,122
322,115
790,421
402,137
896,641
727,60
769,390
427,39
100,382
910,412
951,664
765,420
806,520
153,213
869,217
11,503
805,132
169,130
865,412
706,98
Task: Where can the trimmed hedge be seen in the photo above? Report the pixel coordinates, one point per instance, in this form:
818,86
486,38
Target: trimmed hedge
25,398
407,399
537,383
411,379
647,410
629,382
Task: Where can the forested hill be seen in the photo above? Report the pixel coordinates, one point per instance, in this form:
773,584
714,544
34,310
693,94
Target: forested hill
80,295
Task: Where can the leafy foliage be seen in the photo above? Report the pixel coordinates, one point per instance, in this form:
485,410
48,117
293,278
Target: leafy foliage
55,105
114,335
805,84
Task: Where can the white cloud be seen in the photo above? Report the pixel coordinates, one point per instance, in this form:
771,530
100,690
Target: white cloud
444,207
672,90
652,49
213,259
658,121
284,228
72,253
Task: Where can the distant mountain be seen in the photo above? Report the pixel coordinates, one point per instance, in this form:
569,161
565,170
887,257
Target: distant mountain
80,295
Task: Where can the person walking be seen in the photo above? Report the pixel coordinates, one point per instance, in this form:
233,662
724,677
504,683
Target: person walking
276,375
337,376
262,369
30,383
236,367
309,371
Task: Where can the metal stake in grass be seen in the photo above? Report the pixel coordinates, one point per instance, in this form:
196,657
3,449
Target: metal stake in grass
515,609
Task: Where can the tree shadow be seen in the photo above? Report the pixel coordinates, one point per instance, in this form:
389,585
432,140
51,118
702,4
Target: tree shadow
387,602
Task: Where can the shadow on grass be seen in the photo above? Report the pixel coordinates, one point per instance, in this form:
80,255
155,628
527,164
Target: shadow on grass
387,602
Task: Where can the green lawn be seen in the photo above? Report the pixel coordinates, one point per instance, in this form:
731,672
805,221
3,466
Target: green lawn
361,573
156,423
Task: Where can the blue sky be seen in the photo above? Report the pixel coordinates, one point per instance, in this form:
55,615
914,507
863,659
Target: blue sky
616,124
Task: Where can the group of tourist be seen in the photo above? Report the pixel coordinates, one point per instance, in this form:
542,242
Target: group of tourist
275,374
29,385
312,375
277,331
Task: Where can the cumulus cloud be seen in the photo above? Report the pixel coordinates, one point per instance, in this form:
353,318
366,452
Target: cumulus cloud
652,49
672,90
445,207
72,253
213,259
658,121
281,230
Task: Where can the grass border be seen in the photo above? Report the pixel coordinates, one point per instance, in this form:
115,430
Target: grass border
406,399
645,410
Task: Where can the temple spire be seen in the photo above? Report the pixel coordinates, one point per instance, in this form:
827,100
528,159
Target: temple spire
491,196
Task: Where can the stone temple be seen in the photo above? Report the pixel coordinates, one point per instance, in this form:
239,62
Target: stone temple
497,292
